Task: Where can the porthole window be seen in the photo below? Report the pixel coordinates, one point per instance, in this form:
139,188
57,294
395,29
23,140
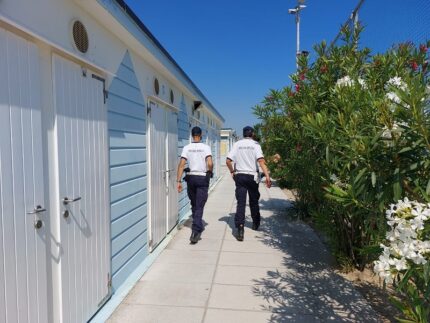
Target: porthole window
80,36
172,96
156,86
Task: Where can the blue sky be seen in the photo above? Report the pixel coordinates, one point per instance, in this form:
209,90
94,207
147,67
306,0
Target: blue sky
235,51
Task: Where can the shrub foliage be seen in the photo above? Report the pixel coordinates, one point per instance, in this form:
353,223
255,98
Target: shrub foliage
353,136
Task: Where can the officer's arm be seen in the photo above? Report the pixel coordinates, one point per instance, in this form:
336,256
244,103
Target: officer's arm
229,164
180,171
263,166
209,164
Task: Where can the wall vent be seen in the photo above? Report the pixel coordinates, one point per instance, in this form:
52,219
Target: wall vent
156,86
80,36
172,96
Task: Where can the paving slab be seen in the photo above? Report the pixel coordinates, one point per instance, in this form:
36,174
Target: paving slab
281,273
166,272
205,244
252,259
191,257
169,294
237,316
156,314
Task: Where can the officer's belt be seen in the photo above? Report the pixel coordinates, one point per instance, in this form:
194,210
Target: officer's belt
197,173
246,172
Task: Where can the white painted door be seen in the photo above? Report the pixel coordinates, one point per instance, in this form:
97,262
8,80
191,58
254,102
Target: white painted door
158,167
172,163
23,221
163,158
81,127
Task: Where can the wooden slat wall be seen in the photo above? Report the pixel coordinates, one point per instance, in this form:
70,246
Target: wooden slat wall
128,172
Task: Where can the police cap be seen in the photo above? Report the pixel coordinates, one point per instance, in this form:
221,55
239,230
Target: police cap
196,131
248,131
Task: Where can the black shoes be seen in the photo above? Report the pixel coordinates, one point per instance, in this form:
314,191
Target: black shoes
240,232
195,237
255,226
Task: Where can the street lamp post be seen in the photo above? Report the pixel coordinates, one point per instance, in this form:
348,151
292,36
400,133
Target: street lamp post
296,11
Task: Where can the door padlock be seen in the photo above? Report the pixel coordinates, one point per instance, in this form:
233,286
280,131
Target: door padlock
66,214
38,224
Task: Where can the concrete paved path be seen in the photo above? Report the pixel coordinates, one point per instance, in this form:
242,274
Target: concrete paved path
278,274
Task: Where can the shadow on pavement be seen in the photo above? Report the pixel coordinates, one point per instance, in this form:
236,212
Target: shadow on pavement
307,281
305,289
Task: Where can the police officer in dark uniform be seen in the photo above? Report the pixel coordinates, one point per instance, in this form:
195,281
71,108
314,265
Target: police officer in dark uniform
247,155
199,158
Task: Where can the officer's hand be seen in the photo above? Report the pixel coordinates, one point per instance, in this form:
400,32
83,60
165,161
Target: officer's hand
268,182
179,186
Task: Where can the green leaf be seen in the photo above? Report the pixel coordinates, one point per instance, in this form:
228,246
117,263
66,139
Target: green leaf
428,188
405,150
360,174
373,179
413,166
327,155
397,190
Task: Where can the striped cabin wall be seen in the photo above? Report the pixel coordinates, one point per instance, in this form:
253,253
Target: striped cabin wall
183,139
128,172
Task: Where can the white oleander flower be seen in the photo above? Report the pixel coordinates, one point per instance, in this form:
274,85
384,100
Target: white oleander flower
345,81
397,82
348,81
395,129
362,83
407,220
393,97
334,178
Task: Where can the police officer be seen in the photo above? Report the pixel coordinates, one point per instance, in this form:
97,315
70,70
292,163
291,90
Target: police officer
247,155
199,158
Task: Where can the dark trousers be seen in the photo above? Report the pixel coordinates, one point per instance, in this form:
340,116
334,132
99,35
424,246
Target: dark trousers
245,183
197,189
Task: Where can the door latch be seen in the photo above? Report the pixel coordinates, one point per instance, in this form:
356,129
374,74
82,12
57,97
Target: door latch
37,209
66,200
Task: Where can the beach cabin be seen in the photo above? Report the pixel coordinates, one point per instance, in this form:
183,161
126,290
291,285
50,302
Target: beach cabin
228,138
94,113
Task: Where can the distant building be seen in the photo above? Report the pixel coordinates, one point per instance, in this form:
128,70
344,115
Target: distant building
228,138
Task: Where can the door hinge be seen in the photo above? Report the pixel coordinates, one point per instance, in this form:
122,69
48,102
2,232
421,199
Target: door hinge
109,293
105,92
109,282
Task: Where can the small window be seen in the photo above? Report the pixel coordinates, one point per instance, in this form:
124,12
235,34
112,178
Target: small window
156,86
172,96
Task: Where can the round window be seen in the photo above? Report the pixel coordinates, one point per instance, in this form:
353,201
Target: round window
156,86
80,36
172,96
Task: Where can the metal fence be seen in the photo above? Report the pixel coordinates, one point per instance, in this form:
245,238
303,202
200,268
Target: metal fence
390,22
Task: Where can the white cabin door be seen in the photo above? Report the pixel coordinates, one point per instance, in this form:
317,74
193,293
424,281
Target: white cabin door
82,145
158,166
23,219
163,158
172,163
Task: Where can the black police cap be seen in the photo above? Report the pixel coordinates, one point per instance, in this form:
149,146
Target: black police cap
248,131
196,131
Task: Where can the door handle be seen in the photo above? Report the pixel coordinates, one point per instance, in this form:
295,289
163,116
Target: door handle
66,200
37,209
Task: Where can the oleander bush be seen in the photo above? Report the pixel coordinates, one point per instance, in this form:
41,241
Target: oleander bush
352,134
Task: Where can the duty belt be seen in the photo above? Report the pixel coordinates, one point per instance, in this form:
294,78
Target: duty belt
245,172
197,173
